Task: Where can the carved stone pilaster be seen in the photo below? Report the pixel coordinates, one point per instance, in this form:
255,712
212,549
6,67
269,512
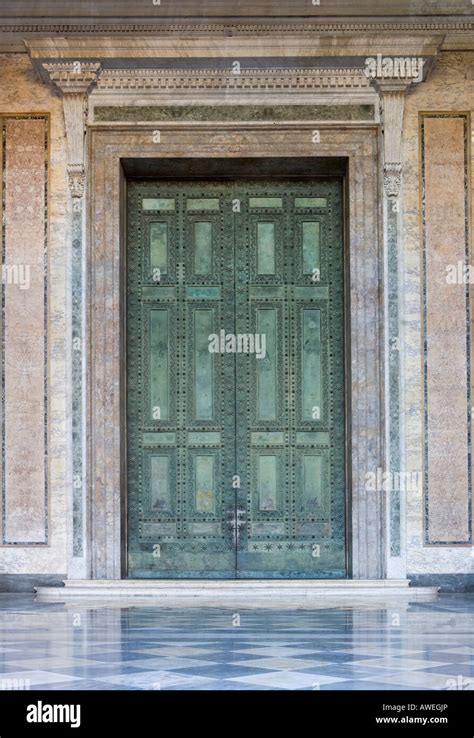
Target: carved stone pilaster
392,92
75,80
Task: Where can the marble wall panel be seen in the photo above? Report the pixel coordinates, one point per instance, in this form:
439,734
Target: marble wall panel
446,351
25,489
450,87
24,96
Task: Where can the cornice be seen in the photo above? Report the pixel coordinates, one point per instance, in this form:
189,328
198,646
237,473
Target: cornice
247,80
239,29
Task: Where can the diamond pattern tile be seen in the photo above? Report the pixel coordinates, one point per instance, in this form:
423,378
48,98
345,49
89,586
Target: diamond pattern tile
148,648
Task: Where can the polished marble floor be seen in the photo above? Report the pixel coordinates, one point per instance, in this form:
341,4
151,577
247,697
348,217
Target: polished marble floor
398,646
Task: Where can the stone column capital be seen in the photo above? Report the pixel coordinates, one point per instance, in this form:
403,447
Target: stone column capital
73,77
393,86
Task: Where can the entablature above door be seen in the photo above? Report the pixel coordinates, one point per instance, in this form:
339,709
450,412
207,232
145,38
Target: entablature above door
289,64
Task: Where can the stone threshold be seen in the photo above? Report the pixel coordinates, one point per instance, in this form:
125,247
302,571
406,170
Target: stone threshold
237,593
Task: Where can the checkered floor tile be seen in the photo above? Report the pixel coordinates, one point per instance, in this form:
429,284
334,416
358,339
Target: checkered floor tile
421,646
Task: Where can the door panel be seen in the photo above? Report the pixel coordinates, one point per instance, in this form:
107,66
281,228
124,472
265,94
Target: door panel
180,421
290,404
235,455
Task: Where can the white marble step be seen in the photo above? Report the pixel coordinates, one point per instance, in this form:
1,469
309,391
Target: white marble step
237,593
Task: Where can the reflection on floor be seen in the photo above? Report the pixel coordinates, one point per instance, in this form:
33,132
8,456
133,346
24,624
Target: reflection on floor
424,645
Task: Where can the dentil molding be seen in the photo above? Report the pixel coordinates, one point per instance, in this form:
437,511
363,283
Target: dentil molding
241,29
244,79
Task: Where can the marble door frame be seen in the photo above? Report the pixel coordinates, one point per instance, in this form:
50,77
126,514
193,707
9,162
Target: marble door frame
359,145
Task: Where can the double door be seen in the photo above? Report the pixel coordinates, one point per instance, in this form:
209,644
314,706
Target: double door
235,379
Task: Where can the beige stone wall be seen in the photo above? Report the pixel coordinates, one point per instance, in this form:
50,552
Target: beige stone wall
21,92
450,88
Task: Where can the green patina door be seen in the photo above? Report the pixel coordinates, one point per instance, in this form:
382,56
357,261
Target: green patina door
235,380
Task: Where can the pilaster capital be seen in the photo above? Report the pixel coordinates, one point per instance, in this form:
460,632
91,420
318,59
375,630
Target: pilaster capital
73,77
